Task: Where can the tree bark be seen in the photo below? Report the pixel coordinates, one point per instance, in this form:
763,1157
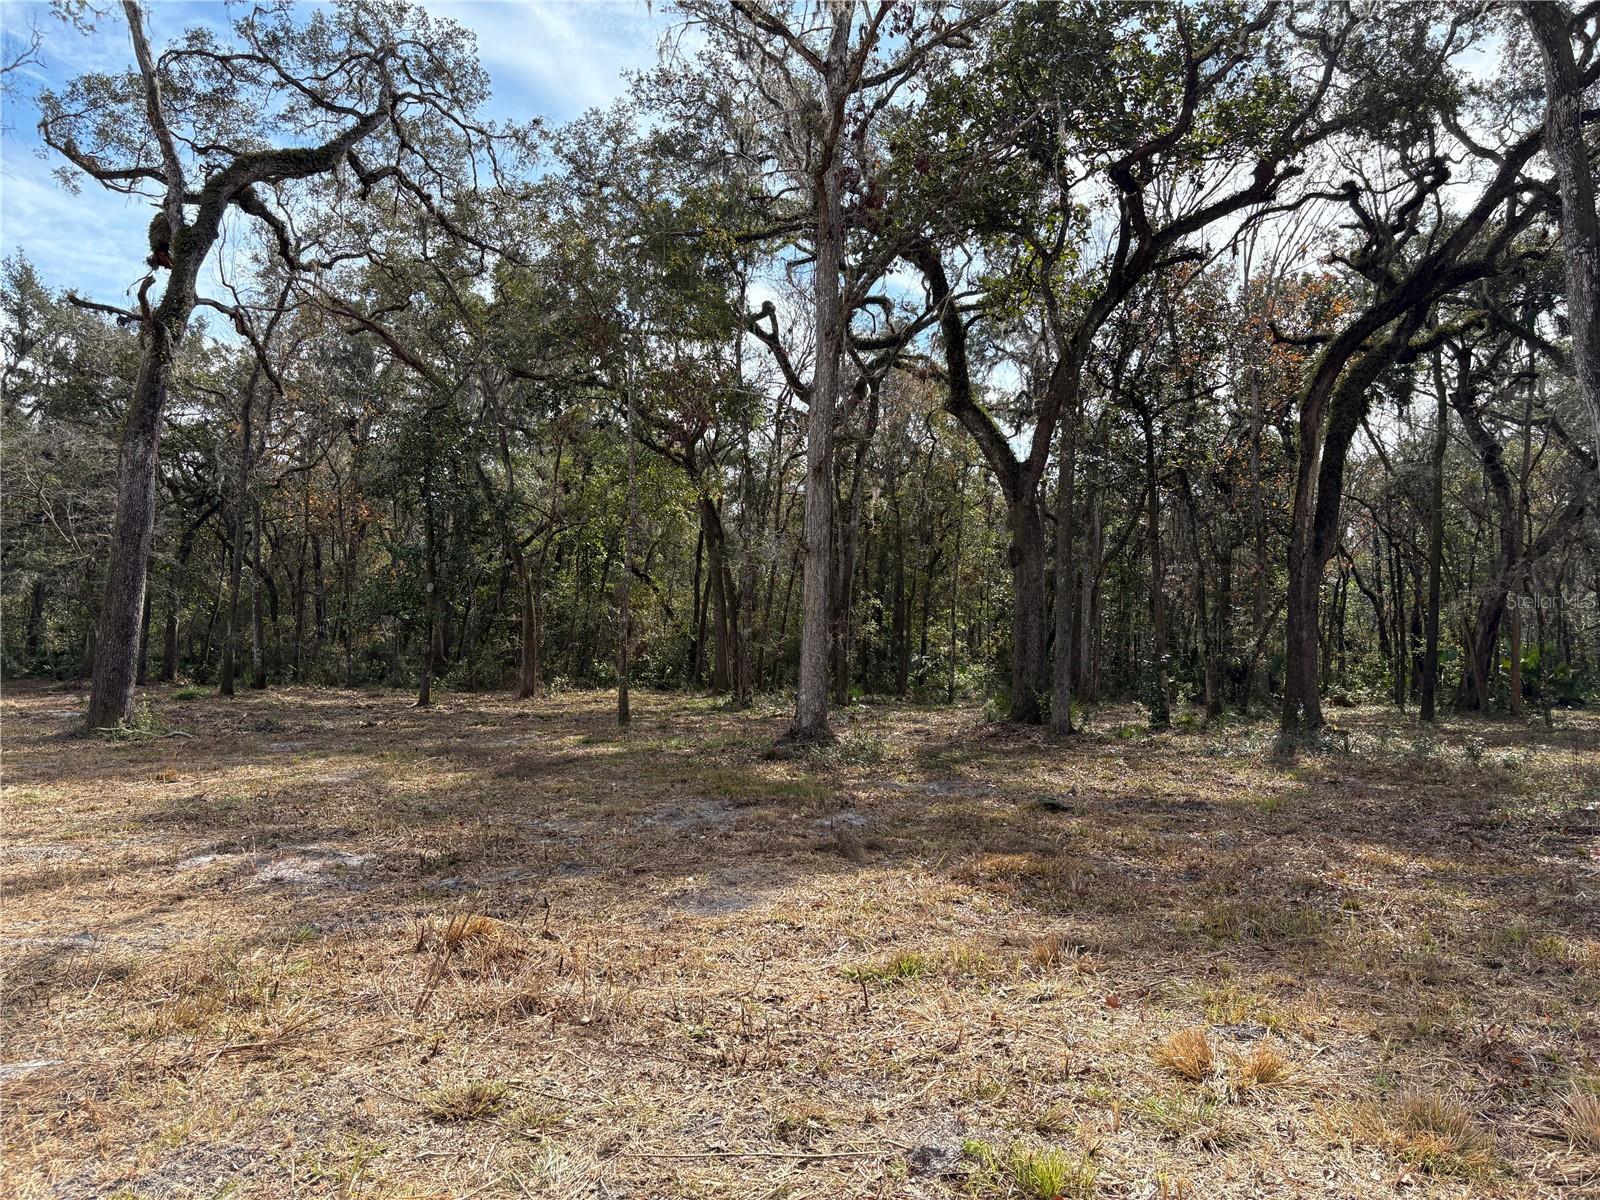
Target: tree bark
1160,696
33,640
1441,441
625,576
810,723
1027,558
133,528
1061,681
1551,23
143,671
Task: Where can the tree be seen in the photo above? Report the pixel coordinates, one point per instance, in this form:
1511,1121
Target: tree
193,129
831,75
1148,108
1567,76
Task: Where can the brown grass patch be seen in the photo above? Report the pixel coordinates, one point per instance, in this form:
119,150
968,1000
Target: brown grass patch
1437,1134
1261,1066
1187,1054
640,943
1580,1116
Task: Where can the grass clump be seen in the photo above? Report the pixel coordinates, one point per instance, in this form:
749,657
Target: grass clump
901,968
854,749
1262,1066
536,1117
1030,1173
1052,1174
1200,1120
464,1100
1436,1134
1186,1054
191,692
1270,924
1580,1115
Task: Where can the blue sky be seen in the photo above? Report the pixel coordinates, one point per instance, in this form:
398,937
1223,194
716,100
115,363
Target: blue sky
553,58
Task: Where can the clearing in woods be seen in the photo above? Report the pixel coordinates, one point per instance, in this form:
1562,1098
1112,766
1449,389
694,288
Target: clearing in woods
328,944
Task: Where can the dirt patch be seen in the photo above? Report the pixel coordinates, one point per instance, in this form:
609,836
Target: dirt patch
301,865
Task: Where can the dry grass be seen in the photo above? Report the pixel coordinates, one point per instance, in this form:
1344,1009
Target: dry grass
463,1099
1437,1134
1261,1066
1580,1116
331,945
1187,1054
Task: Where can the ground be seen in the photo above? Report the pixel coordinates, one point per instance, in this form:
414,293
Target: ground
322,943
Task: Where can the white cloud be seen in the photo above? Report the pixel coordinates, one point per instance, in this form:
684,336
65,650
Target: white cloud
558,58
93,242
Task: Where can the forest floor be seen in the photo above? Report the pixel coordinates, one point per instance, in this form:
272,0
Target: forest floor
321,943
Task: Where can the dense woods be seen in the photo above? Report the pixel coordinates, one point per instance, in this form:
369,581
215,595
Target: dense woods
1217,357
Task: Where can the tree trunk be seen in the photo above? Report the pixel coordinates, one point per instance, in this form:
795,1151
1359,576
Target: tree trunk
1061,681
33,640
955,582
744,633
1564,144
810,723
1331,410
528,663
625,575
1160,695
116,645
258,636
1028,620
142,674
697,624
430,594
1441,441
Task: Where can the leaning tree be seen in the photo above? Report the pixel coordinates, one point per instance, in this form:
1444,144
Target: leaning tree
268,126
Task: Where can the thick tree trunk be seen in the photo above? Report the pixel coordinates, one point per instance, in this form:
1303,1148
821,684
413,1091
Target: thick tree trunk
1331,411
528,662
722,602
1028,684
1564,143
132,531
